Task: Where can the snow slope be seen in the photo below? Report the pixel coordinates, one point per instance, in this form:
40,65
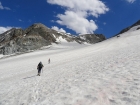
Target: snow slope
106,73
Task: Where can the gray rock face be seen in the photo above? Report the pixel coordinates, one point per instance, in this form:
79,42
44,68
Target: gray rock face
92,38
37,36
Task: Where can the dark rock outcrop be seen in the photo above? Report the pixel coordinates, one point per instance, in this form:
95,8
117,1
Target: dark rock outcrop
92,38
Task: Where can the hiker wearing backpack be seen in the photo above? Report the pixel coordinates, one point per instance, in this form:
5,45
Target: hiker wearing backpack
39,67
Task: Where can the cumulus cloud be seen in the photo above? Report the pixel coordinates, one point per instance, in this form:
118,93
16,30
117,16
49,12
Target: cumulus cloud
57,29
77,23
4,29
130,1
77,13
2,7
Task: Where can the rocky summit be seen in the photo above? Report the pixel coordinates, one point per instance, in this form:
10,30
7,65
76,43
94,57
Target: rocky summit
38,35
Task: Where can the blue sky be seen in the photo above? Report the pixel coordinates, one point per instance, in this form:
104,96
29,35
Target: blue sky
106,17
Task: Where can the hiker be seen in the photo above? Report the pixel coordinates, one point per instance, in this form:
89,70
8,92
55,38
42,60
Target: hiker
39,67
49,61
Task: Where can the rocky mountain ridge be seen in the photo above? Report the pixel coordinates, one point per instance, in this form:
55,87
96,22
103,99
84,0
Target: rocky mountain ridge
128,28
37,36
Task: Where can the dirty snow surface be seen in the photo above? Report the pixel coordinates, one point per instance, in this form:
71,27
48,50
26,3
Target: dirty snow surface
107,73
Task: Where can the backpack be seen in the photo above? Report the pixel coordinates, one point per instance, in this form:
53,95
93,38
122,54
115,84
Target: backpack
40,65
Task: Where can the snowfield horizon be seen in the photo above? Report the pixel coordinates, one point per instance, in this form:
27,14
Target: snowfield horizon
106,73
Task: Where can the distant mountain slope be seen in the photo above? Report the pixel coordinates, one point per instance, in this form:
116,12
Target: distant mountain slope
133,27
37,36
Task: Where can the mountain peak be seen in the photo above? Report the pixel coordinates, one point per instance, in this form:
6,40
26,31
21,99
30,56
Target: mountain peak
38,25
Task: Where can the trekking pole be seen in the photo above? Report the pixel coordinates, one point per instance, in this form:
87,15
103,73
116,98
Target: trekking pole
42,70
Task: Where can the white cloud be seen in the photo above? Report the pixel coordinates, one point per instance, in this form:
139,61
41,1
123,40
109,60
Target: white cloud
77,23
4,29
20,20
1,7
94,7
77,13
130,1
7,8
57,29
104,23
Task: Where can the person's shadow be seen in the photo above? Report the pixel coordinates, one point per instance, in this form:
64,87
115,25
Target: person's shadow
29,77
